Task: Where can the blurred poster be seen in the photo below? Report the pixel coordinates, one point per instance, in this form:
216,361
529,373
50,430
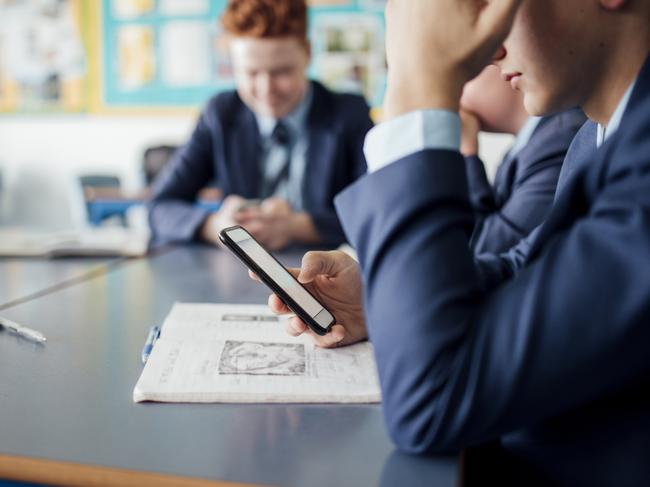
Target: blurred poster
373,4
221,55
130,9
327,3
349,54
42,57
136,56
184,7
185,53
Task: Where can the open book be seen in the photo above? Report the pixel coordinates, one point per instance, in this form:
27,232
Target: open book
241,353
96,242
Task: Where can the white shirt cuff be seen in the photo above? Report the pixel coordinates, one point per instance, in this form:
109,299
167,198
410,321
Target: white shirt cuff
410,133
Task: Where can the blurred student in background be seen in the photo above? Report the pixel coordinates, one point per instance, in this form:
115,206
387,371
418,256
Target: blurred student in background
525,182
280,147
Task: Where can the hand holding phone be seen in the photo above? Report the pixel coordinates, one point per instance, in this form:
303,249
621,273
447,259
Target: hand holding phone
278,279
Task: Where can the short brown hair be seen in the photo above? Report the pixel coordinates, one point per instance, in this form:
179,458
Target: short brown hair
266,18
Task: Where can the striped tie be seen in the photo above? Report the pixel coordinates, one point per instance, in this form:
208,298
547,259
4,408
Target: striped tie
276,172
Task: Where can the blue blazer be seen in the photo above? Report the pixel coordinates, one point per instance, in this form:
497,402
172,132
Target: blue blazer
496,267
553,364
524,185
225,148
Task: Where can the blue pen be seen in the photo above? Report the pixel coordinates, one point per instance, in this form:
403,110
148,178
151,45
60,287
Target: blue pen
154,334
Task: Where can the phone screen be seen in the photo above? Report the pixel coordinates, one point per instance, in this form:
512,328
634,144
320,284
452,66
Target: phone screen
281,277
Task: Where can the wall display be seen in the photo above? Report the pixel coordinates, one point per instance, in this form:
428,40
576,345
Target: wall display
42,56
349,53
134,55
174,52
161,53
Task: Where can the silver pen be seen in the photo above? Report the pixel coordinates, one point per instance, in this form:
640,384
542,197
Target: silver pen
23,331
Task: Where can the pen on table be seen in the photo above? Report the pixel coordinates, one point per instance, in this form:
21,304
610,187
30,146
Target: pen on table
23,331
154,333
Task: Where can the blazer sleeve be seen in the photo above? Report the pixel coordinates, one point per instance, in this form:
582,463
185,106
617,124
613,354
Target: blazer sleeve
494,268
481,194
173,215
460,365
356,125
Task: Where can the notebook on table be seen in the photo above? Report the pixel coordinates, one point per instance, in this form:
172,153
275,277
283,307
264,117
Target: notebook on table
241,353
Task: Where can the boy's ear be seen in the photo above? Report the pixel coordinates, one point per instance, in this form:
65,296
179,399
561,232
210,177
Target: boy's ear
612,4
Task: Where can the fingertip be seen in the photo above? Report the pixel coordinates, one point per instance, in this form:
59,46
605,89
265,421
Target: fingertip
298,325
290,330
338,333
308,267
275,304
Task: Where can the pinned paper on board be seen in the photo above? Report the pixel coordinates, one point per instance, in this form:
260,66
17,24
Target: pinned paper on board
185,53
130,9
136,58
349,54
42,56
184,7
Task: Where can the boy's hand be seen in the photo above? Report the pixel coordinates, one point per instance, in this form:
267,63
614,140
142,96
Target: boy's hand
334,279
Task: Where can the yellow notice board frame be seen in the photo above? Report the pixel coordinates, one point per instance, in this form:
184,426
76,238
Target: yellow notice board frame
73,91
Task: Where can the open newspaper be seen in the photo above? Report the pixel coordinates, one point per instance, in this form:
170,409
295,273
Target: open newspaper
241,353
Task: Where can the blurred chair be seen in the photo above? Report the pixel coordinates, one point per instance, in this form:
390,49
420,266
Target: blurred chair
155,159
103,197
91,182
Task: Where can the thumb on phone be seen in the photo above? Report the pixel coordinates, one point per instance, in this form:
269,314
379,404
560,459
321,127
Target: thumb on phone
316,263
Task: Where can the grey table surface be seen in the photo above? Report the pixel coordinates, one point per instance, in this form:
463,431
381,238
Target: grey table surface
71,400
22,279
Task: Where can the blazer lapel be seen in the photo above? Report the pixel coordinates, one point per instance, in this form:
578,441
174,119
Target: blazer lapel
245,149
320,166
580,151
321,153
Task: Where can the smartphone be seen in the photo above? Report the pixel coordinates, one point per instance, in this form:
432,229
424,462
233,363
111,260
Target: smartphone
278,279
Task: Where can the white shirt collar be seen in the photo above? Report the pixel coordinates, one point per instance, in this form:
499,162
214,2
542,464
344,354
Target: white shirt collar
605,133
524,135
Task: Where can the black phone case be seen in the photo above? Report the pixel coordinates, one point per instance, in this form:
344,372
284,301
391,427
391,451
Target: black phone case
266,279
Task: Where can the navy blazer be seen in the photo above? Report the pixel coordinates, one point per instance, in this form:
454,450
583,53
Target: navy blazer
553,364
524,185
496,267
225,149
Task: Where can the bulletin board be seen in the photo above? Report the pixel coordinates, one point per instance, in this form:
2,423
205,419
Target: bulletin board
173,52
347,39
43,56
161,53
133,55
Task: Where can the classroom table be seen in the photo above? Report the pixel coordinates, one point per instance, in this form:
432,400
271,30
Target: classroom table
22,279
68,417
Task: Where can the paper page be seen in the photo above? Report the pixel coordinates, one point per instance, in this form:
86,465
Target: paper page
91,242
214,357
223,321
